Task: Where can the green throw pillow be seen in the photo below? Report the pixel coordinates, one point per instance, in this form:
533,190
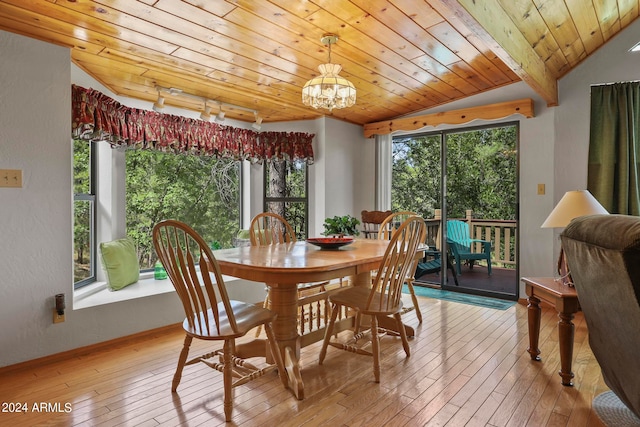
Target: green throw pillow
120,262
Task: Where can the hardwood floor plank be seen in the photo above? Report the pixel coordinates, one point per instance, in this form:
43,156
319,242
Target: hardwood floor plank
468,367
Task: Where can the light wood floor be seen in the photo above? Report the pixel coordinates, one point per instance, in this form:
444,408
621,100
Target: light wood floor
468,366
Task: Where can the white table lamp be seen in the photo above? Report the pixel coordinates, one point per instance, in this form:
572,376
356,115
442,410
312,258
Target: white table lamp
572,205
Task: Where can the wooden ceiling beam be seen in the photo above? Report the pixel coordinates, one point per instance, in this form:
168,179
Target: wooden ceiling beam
454,117
490,23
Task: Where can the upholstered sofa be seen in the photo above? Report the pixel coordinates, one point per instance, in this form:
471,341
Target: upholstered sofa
603,255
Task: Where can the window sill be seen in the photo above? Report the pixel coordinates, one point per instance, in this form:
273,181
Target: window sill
97,293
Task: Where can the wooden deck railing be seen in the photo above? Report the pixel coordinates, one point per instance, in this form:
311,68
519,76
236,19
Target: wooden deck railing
501,233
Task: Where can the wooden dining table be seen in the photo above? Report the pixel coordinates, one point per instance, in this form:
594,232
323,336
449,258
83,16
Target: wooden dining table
283,266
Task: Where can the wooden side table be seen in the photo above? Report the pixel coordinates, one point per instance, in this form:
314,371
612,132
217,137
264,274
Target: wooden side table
565,299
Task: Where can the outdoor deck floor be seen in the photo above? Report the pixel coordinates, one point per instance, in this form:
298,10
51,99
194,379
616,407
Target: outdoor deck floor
502,280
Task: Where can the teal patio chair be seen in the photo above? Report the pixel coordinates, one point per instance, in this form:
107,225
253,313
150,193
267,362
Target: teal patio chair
432,263
460,242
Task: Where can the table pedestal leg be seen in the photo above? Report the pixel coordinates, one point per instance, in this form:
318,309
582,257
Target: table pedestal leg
566,331
284,301
361,279
534,327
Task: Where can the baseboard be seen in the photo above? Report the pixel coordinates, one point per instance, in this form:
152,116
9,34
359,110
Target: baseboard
83,351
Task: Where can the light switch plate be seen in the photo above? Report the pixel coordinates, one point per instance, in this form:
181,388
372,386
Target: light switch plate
11,178
540,189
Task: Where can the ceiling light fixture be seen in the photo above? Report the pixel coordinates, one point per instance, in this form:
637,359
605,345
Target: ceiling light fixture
220,115
158,106
329,90
257,125
206,113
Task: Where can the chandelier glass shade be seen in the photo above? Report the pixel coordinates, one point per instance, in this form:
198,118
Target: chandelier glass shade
329,90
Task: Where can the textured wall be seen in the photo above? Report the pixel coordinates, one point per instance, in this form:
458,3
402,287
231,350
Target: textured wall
36,220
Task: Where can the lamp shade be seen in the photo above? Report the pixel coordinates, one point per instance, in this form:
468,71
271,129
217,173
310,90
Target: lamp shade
572,205
329,90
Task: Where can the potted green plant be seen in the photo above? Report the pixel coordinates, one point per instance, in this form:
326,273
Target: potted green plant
341,226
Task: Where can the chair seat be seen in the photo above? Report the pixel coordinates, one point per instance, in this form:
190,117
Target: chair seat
356,298
248,316
472,255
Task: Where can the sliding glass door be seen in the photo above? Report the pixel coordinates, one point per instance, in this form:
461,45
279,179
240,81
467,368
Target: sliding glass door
464,183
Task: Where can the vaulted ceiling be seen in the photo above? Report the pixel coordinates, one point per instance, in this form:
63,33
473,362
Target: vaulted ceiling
402,56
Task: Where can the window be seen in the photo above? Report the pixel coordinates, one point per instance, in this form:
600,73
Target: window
203,192
84,271
286,193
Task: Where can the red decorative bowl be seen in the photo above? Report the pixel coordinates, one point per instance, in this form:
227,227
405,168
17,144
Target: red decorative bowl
330,242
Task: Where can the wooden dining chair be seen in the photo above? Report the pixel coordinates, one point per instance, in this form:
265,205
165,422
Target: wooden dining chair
382,299
268,228
392,222
387,228
210,314
371,221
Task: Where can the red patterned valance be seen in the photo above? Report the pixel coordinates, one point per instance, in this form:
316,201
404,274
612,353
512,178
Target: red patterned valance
95,116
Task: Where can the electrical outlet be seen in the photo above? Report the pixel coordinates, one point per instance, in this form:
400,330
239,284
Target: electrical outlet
11,178
57,318
540,189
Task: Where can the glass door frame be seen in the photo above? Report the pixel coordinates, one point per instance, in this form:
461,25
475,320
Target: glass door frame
444,273
445,281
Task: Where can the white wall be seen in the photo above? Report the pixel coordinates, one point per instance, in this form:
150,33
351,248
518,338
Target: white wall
36,226
613,63
35,250
554,145
350,169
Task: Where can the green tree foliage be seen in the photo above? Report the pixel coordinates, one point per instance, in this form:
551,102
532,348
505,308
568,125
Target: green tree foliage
200,191
81,209
416,175
481,173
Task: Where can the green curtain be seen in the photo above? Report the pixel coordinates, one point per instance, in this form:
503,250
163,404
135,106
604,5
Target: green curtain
614,147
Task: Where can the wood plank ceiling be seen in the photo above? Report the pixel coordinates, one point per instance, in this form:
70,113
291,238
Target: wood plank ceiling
402,56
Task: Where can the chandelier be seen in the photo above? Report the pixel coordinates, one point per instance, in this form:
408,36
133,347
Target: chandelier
329,90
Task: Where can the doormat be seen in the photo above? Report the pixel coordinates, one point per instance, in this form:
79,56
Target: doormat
487,302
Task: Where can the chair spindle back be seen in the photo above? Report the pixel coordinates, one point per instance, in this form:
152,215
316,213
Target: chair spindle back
181,251
392,222
269,228
396,263
371,221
